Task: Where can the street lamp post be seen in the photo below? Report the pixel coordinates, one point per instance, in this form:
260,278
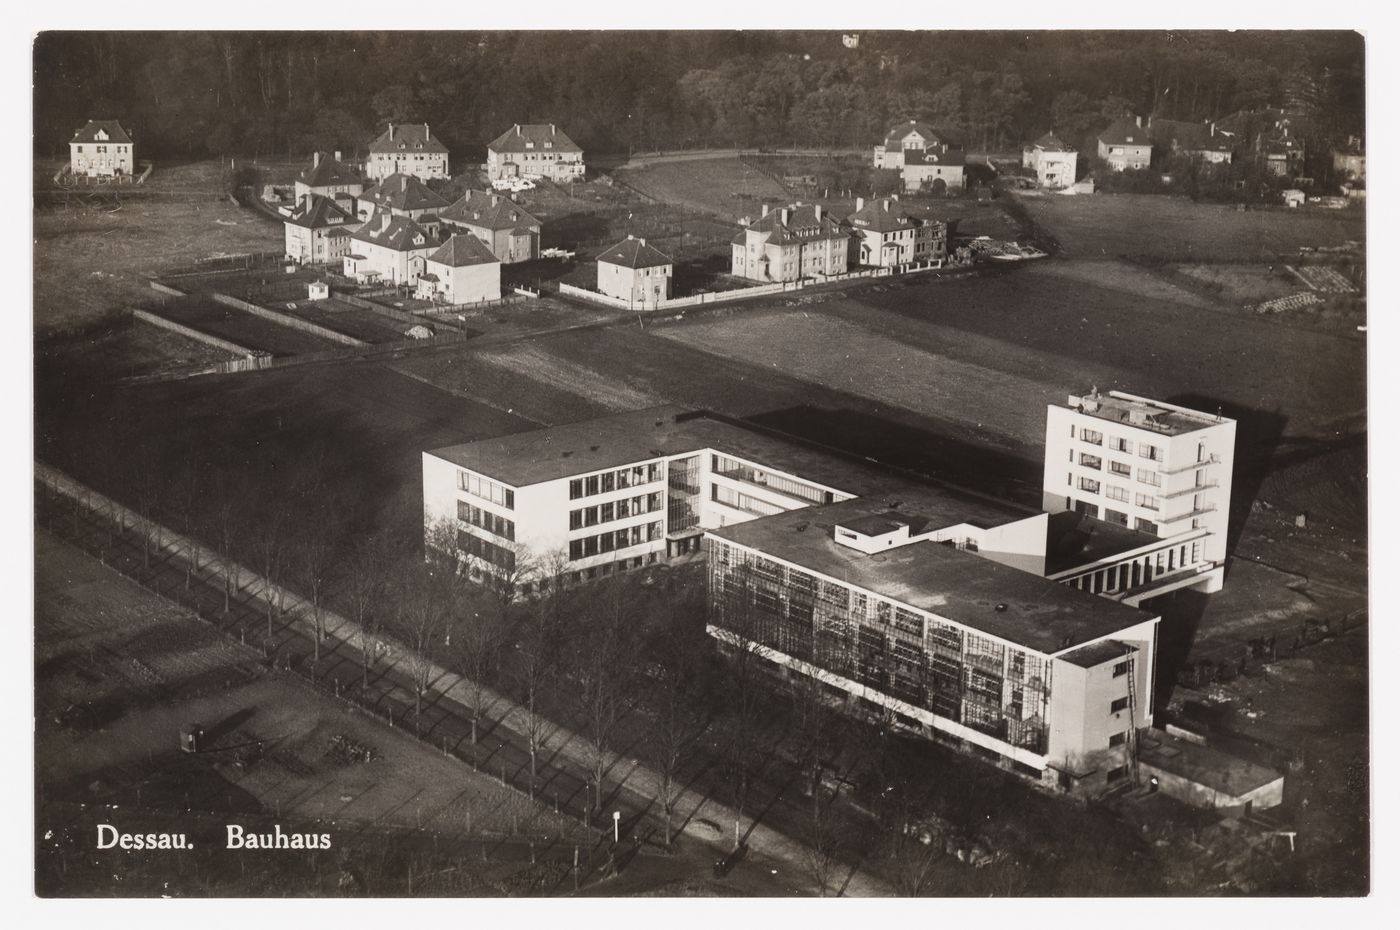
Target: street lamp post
617,819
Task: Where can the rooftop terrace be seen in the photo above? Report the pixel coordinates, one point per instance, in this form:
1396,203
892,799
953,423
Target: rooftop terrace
1155,415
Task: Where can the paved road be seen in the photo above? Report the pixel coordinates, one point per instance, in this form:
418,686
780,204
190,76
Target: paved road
501,746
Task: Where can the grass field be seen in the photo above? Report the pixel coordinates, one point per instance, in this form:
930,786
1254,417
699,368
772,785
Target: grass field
1243,283
360,324
1108,225
88,261
724,186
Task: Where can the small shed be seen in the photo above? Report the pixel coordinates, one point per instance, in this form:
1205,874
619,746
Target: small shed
318,290
1294,198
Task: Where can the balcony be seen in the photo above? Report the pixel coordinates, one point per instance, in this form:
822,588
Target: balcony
1211,459
1200,511
1192,489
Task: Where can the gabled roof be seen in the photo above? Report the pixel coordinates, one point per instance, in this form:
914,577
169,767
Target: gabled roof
415,138
897,133
1190,137
885,215
395,232
403,192
950,157
1051,143
515,139
328,172
1125,132
462,250
802,225
114,131
488,211
633,253
316,211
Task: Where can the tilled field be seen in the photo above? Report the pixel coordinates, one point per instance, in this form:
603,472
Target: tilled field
252,332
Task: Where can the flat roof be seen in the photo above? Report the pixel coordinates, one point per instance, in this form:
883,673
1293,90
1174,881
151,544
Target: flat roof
588,446
1037,613
1074,540
1142,412
1096,654
1204,765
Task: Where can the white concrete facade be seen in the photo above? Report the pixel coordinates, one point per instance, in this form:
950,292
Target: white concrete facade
1146,464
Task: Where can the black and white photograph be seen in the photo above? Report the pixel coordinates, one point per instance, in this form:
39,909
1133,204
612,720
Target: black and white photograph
895,462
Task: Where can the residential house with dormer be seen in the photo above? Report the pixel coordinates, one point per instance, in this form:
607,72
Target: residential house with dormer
407,148
328,176
925,158
318,229
510,231
635,272
887,236
1053,162
389,249
403,195
790,243
534,150
102,149
460,271
1125,144
1273,136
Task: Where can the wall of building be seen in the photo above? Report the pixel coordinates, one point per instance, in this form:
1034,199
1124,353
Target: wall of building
915,177
468,283
419,164
101,159
643,286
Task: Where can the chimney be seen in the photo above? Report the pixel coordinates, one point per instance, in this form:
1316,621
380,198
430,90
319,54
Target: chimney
818,208
391,132
495,200
337,154
551,129
894,197
886,205
630,236
642,241
860,204
315,159
517,129
765,209
427,136
1139,122
785,216
1212,130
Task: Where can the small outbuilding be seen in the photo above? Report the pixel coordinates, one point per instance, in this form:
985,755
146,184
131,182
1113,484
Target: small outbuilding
318,290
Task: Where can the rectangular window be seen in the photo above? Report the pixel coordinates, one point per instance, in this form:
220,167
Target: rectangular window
1118,739
624,508
1118,705
1118,468
575,489
1119,444
1147,501
1090,461
591,485
1089,484
1116,493
590,516
1150,452
1120,669
1092,436
575,519
1115,516
1146,526
1147,476
609,482
575,549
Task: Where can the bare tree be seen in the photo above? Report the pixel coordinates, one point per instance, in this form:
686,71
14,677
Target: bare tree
315,554
270,536
479,632
228,494
187,500
676,683
364,576
421,621
602,661
537,642
741,689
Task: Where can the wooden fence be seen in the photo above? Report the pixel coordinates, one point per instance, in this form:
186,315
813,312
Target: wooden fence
289,321
715,297
190,333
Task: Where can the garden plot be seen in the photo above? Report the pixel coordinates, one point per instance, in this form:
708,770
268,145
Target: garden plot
364,325
609,390
241,328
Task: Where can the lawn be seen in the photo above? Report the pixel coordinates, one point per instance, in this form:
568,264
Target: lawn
88,261
1174,228
725,187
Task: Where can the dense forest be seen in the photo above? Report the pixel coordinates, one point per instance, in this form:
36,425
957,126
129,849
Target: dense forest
191,95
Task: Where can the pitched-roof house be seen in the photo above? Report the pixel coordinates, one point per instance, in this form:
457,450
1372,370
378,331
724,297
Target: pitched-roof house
318,229
922,155
407,148
1054,163
460,271
403,195
1349,160
790,243
1125,144
102,149
389,249
888,237
1272,134
1196,140
534,150
510,231
635,272
328,176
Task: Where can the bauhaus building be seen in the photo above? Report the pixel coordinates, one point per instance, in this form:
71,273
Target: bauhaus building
951,614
